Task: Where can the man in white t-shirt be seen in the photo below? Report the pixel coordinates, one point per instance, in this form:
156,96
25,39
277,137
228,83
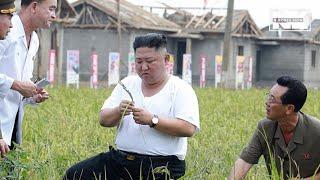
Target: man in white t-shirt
159,112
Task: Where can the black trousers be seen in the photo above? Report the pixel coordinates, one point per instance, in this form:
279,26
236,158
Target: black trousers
116,165
14,133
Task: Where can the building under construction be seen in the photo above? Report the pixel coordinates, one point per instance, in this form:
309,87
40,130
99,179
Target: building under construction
104,26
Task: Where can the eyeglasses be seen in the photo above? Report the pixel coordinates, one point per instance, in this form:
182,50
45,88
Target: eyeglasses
271,99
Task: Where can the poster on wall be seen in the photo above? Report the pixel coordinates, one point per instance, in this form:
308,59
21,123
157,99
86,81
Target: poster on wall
52,59
131,64
94,70
239,72
170,64
73,67
203,72
113,68
217,71
186,69
248,71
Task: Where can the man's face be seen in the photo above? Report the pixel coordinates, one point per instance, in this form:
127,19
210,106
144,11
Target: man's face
150,64
45,13
5,25
275,110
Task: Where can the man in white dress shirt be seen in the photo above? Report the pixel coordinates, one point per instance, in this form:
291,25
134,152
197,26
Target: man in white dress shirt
26,89
16,61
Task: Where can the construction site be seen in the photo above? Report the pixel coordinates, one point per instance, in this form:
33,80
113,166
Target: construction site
101,27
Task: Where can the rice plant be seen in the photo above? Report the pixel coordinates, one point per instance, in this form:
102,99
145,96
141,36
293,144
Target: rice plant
65,130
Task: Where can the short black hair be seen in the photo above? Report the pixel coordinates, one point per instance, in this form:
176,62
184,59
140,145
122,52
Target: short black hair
296,93
150,40
28,2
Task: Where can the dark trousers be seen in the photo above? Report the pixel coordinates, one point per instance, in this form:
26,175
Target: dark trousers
14,133
116,165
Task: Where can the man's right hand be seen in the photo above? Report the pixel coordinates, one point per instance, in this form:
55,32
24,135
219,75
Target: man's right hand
26,89
126,107
110,117
4,148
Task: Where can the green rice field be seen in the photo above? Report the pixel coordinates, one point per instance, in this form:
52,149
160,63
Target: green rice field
66,129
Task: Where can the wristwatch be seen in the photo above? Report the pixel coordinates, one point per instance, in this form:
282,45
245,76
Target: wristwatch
154,120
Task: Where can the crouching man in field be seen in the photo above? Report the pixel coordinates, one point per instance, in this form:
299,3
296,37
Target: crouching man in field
287,138
160,112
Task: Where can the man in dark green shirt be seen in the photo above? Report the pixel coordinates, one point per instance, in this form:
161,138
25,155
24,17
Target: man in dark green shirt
287,137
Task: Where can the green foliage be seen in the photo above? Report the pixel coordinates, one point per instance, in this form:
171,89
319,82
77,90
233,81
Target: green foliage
65,130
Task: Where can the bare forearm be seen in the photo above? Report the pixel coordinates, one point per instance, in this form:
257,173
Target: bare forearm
26,89
315,177
240,170
110,117
16,85
175,127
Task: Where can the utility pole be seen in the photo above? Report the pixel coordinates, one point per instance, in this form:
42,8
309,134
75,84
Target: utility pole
59,40
226,65
119,33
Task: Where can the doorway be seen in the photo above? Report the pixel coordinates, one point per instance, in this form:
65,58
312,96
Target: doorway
258,65
180,51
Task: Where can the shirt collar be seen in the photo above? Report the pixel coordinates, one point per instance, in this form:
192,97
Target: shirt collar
298,132
16,21
20,33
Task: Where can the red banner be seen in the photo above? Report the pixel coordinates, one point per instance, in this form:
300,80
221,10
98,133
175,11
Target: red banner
52,59
94,70
203,71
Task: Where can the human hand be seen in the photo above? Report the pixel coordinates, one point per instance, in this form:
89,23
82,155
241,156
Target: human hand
126,107
26,89
4,148
142,116
41,95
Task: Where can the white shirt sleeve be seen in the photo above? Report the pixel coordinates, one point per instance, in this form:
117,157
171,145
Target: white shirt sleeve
186,105
5,81
114,99
5,85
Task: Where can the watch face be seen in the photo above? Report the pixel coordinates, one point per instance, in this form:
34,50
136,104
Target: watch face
155,120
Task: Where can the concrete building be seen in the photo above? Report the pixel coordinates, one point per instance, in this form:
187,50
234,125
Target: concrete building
203,35
93,26
96,29
294,53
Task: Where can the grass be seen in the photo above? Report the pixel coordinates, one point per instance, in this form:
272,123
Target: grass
65,130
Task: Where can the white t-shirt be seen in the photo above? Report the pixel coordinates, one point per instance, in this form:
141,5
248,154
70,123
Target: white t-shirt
176,99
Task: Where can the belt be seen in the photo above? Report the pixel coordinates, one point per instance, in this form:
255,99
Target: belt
134,156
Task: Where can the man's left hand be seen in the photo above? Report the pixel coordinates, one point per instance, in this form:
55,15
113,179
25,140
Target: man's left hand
41,96
142,116
4,148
